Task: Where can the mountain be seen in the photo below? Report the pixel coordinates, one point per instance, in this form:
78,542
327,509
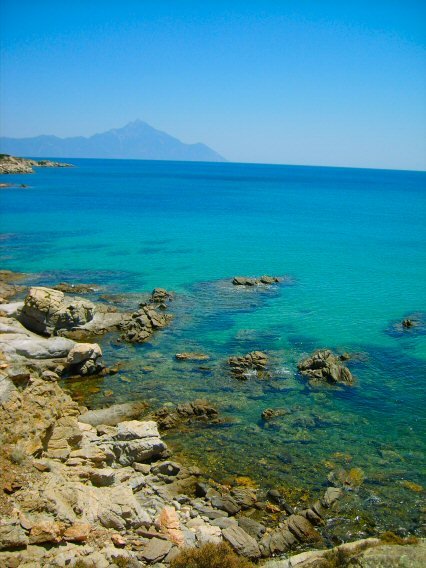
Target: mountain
136,140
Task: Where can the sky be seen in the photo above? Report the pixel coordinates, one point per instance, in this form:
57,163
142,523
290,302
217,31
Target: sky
312,82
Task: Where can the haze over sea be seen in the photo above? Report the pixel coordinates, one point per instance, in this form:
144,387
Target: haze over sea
353,244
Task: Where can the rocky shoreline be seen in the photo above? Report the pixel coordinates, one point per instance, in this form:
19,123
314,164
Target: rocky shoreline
101,488
14,165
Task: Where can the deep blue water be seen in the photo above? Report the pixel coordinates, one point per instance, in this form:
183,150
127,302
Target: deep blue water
353,244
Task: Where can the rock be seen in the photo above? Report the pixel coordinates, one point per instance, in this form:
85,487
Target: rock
271,413
104,477
244,497
113,414
47,311
323,365
302,529
331,495
137,441
68,288
197,411
78,532
85,359
82,352
7,389
156,550
276,497
46,531
407,323
40,308
251,527
36,348
12,165
254,362
241,542
277,542
160,298
244,281
225,503
191,356
170,525
166,468
142,324
12,535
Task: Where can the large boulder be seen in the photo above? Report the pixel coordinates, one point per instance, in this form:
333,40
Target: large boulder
85,359
46,311
324,366
136,441
40,308
241,542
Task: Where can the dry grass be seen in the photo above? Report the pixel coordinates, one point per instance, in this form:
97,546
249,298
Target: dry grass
210,556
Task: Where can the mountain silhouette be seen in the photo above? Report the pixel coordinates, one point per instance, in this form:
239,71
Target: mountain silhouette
136,140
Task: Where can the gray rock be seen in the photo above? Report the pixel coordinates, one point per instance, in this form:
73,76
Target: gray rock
156,550
12,535
7,388
252,527
136,441
302,529
166,468
225,503
114,414
241,542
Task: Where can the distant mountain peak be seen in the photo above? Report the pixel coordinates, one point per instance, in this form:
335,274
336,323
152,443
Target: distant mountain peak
135,140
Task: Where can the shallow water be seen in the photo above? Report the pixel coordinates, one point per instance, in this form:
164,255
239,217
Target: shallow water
352,243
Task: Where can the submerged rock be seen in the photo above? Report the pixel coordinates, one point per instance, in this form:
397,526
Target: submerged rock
244,281
197,411
191,356
68,288
256,361
324,366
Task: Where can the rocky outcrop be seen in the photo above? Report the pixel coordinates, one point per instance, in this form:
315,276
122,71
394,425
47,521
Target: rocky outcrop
324,366
252,363
244,281
142,324
13,165
47,311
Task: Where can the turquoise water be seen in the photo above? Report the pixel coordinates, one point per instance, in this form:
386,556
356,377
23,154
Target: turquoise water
353,245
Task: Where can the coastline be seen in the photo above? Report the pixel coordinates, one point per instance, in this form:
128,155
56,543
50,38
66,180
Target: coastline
155,505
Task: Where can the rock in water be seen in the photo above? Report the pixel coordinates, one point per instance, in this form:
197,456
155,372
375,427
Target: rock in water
255,361
244,281
191,356
323,365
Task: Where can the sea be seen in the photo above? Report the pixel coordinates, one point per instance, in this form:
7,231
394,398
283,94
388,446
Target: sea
350,245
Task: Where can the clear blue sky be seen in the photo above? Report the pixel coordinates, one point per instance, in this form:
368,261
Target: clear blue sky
290,81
